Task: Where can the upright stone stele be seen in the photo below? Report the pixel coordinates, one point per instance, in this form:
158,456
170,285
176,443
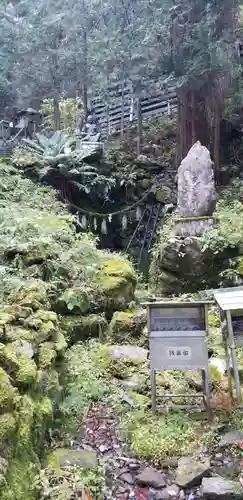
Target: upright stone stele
196,197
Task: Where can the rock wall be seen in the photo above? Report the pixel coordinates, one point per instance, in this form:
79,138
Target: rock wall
56,289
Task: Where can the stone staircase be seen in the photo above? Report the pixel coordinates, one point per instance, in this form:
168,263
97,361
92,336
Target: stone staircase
6,149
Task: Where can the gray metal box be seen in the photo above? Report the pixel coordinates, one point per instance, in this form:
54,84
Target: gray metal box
177,336
168,352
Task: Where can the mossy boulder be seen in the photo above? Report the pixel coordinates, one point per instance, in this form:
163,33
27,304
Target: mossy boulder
33,295
79,328
127,327
8,393
62,458
46,355
18,365
120,268
116,284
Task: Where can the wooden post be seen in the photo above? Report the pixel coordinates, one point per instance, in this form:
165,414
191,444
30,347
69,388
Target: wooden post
233,355
227,359
139,127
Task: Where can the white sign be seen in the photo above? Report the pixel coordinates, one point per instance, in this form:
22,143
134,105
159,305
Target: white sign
178,353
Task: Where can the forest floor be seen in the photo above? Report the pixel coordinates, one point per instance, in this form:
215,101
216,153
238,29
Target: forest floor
175,455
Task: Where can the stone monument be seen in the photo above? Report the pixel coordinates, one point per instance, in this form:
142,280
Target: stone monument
196,198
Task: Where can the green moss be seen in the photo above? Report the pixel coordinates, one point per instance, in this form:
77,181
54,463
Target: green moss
13,333
46,356
7,430
119,268
43,409
60,342
158,438
127,327
7,392
22,369
25,418
48,383
6,318
79,328
32,295
118,292
61,457
45,316
21,478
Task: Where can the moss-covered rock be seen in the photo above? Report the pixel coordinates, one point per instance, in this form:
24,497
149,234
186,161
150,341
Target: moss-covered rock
13,333
46,355
21,367
48,383
79,328
118,267
8,393
25,418
127,327
32,295
62,458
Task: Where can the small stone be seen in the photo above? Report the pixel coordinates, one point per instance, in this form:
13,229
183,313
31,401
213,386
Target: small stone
133,466
151,477
218,488
162,495
219,456
128,399
191,497
215,463
170,463
182,495
129,352
127,477
103,448
230,438
173,490
190,471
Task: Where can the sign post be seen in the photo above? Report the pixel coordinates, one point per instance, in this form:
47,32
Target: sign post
230,302
177,341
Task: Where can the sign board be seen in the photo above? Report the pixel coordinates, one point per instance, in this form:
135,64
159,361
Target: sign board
237,325
177,341
179,319
177,336
177,353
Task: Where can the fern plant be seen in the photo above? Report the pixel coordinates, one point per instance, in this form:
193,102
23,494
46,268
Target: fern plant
51,146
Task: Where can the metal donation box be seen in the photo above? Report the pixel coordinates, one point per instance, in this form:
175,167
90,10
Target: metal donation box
178,341
230,302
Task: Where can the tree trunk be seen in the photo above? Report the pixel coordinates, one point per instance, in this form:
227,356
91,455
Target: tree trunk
85,75
122,108
139,127
193,123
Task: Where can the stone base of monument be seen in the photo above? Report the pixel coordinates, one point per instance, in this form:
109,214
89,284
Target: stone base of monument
194,226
